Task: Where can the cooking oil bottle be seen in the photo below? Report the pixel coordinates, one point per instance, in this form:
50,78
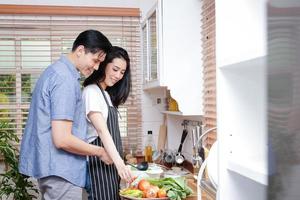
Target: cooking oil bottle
149,147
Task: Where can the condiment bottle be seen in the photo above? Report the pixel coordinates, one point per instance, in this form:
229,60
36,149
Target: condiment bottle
149,147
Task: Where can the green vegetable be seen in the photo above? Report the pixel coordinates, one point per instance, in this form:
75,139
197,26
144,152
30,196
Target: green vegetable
176,188
132,193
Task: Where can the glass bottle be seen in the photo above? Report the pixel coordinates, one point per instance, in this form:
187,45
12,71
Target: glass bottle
149,147
171,102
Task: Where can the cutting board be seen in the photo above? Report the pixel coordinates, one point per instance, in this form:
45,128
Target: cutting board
162,135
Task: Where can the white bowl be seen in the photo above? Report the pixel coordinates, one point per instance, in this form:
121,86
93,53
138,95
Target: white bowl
154,171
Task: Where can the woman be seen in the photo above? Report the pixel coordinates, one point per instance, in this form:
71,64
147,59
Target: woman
104,91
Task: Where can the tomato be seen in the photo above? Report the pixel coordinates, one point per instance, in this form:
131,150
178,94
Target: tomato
143,185
155,188
161,193
144,194
151,193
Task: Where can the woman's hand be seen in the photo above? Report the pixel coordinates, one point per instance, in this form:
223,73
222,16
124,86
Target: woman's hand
125,172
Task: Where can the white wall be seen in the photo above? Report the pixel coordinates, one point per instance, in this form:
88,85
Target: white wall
100,3
145,6
151,113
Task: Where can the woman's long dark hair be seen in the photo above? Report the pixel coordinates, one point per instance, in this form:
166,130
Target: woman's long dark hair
119,92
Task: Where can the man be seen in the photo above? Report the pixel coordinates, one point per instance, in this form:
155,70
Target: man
53,149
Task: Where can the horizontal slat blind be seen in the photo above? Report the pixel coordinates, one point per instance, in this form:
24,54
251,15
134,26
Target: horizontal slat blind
209,69
28,44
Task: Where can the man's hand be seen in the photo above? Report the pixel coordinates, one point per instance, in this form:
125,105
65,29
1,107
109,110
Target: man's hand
105,157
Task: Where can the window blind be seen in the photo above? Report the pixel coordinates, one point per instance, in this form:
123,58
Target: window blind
209,69
29,43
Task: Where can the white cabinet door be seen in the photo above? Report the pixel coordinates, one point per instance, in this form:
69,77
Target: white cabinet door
150,50
172,50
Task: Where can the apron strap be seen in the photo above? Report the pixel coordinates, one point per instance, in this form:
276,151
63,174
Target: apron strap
104,95
107,103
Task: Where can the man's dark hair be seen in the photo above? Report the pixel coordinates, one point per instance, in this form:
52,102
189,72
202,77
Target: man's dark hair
93,41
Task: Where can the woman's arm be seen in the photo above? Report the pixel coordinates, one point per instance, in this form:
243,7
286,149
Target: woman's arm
99,124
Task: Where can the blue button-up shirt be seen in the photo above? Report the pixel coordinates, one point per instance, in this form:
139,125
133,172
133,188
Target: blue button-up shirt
57,96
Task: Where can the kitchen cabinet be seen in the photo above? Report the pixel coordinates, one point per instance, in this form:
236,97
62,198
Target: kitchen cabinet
242,99
150,60
171,46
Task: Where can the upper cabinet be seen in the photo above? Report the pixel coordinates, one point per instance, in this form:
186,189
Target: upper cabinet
150,50
172,52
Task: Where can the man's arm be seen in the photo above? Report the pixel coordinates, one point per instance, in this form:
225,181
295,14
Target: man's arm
64,139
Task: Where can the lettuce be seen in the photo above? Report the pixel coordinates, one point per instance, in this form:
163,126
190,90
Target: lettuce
176,188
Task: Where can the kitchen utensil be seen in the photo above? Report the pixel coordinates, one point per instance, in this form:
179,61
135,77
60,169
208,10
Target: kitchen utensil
162,135
156,157
194,138
196,160
169,157
143,166
179,158
200,146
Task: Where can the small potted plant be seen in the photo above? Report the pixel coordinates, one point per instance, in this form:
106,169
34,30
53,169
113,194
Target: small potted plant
13,185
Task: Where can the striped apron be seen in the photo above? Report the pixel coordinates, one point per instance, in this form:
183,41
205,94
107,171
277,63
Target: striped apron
105,180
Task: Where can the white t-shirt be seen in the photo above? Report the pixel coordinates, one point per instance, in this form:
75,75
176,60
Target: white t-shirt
93,100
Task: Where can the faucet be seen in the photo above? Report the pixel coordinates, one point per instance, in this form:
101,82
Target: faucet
203,164
197,136
205,132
